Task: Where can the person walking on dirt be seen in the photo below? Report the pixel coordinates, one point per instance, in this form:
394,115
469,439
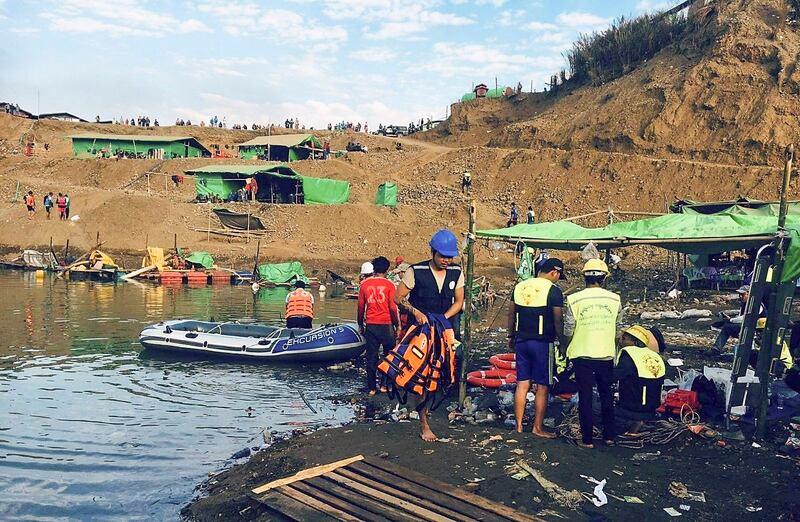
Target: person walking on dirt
531,215
61,203
66,206
535,321
299,306
48,203
30,203
466,181
378,317
434,286
514,219
591,322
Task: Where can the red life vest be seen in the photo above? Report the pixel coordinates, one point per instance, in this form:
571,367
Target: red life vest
300,304
61,202
29,200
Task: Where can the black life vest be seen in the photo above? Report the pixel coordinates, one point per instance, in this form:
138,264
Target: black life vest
426,296
533,318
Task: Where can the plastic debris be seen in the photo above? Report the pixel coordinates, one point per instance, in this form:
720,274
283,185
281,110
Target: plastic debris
543,456
753,509
633,500
678,489
647,456
793,442
684,507
672,512
600,497
694,313
517,451
756,445
444,440
617,472
486,442
675,362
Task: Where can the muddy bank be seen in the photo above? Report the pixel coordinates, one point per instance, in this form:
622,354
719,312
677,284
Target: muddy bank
738,481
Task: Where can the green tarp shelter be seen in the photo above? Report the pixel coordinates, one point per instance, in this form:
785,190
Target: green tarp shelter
277,183
203,259
685,233
741,206
387,195
149,146
282,273
281,147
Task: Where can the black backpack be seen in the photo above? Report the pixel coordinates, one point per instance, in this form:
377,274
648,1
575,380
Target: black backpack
706,390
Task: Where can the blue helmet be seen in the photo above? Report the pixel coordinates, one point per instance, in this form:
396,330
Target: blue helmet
445,242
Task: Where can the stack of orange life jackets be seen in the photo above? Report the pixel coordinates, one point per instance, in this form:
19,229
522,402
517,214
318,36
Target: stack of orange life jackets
423,362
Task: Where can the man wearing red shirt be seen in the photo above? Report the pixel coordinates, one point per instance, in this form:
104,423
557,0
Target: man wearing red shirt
377,316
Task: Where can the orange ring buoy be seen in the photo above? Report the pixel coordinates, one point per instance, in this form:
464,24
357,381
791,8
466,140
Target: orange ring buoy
504,361
491,378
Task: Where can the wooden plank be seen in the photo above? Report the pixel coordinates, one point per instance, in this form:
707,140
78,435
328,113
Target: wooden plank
306,473
317,504
381,508
421,512
336,502
280,503
399,484
475,500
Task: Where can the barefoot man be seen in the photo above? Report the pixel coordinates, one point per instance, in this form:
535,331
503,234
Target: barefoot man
535,321
433,286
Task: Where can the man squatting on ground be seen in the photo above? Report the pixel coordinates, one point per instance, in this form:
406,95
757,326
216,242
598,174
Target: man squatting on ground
535,321
434,286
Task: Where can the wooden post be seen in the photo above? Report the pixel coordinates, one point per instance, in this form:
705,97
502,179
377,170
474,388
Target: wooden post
248,227
466,345
148,183
773,336
610,222
175,243
66,252
97,239
208,231
254,278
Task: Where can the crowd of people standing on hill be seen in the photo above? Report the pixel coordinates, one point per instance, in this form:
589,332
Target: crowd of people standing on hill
61,202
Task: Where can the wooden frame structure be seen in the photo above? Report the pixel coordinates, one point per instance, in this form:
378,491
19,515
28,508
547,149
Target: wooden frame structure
370,489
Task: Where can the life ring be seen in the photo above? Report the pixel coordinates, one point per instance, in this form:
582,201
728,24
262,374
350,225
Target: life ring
504,361
491,378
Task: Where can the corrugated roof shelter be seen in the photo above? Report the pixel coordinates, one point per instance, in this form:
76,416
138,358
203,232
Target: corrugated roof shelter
281,147
277,183
131,145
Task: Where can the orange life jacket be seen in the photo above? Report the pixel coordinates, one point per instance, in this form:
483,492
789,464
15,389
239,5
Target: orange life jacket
300,304
29,200
423,363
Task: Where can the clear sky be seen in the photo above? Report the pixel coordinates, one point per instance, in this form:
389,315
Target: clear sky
381,61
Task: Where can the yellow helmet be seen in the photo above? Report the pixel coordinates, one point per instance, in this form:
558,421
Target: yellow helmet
638,332
761,323
595,267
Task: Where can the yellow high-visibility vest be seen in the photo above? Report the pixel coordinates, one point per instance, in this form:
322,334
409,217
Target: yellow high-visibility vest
595,311
649,365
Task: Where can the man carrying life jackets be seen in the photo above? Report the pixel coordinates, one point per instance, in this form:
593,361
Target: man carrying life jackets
535,320
30,203
591,322
299,307
434,286
640,371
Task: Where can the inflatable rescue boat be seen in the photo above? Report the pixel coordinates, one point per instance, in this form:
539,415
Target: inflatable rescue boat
332,342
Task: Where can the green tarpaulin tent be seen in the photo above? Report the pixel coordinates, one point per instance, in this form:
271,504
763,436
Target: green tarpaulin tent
222,180
281,273
203,259
387,195
685,233
740,207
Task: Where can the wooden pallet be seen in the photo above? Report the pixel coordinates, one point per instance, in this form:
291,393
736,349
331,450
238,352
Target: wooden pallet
370,489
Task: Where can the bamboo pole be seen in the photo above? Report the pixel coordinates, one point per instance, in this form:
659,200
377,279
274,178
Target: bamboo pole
773,336
466,346
254,277
208,235
66,251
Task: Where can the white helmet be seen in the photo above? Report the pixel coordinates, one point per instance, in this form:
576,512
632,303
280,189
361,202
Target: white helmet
367,268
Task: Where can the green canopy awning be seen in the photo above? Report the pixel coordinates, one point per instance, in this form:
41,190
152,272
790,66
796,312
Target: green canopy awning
685,233
279,273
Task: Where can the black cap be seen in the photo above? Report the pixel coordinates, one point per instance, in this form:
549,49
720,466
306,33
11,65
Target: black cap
551,264
299,283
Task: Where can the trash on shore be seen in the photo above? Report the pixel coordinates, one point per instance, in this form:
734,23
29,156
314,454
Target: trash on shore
672,512
566,498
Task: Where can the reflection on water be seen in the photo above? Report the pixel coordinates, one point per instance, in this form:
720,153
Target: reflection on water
92,429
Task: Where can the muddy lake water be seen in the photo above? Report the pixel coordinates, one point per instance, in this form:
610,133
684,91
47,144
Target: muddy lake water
94,428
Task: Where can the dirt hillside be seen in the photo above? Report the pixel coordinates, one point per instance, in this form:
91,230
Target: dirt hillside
707,119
